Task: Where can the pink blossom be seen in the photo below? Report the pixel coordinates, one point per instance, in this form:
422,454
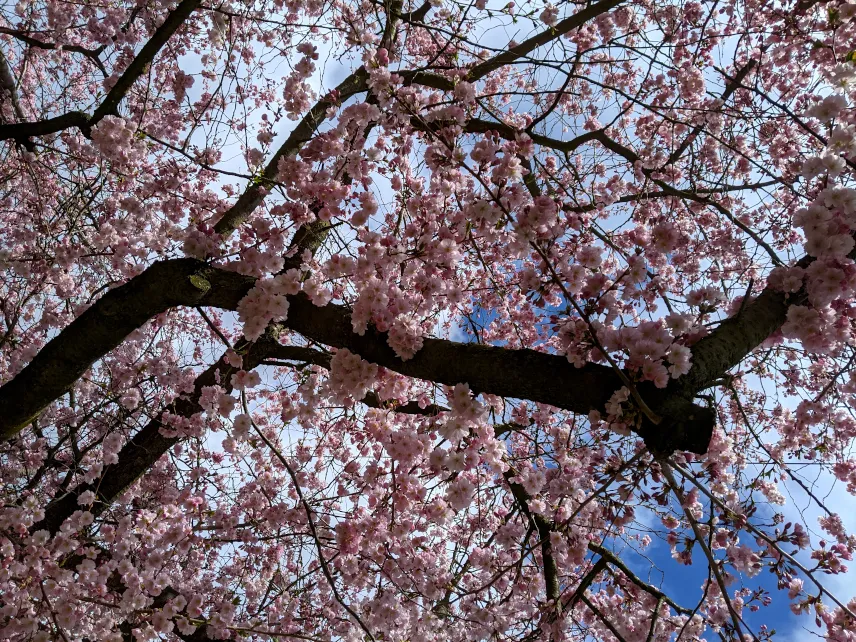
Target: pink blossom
242,379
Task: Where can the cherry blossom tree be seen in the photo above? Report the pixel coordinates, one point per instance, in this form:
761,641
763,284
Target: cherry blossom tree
389,321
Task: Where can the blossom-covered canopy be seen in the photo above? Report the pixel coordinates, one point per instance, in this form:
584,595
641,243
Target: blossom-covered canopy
388,321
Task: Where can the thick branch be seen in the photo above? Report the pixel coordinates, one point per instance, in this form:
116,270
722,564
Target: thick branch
105,325
303,133
50,46
544,528
176,18
531,44
523,374
520,374
736,337
149,444
7,84
141,61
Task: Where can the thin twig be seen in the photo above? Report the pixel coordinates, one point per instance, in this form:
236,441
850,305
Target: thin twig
325,569
765,537
735,618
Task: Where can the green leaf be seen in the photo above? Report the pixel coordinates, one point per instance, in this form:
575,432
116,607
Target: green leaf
200,282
